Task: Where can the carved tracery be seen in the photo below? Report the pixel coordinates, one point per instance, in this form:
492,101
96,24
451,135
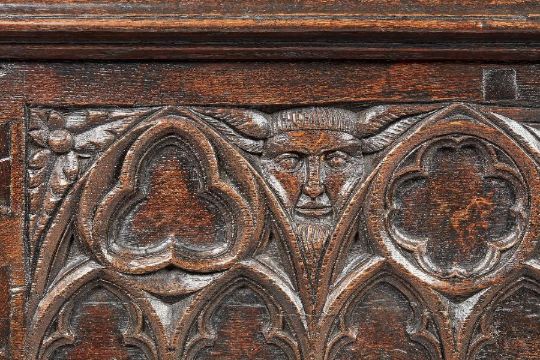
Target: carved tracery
279,235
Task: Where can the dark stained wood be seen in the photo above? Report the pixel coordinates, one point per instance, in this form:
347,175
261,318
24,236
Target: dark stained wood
5,312
5,183
271,84
381,320
269,180
307,233
457,201
98,325
501,29
514,315
5,141
241,326
467,50
171,188
500,84
272,7
5,167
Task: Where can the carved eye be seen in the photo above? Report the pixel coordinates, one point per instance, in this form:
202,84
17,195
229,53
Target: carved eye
288,161
337,159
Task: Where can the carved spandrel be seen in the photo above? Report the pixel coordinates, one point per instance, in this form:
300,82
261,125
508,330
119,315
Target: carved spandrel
509,328
316,201
312,159
62,145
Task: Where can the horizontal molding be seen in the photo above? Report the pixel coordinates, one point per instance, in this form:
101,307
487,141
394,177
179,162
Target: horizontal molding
484,52
484,24
121,32
271,7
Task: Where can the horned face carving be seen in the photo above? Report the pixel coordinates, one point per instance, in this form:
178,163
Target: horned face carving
311,161
312,157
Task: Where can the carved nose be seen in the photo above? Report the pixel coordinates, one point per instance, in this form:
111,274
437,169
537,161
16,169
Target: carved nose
313,189
313,186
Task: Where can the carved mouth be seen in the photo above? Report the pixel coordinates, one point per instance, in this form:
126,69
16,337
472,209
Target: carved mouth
314,211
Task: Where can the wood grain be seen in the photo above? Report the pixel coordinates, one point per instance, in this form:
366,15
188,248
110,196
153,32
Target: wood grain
321,232
269,179
5,167
270,84
500,29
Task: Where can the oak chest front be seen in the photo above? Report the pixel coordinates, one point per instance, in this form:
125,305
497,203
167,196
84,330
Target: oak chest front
269,180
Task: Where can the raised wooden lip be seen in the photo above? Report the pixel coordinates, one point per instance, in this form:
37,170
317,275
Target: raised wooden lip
158,36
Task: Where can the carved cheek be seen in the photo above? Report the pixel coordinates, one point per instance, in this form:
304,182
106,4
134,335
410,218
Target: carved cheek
288,185
338,183
333,183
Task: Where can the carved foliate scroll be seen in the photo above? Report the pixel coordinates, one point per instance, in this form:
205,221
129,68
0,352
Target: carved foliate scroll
309,233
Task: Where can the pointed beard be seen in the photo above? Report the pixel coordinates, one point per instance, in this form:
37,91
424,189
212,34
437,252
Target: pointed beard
312,238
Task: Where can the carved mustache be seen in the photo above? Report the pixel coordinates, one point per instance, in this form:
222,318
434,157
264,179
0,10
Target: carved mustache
319,206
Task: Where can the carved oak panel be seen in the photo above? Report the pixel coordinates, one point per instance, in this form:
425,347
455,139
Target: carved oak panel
403,231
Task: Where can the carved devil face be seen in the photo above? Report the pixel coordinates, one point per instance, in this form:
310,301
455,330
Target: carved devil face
312,171
312,157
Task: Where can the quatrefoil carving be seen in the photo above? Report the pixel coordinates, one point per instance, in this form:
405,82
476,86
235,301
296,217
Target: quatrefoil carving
452,206
222,220
475,206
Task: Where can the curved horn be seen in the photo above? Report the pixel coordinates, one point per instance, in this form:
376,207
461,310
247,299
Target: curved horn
251,123
386,137
245,128
380,125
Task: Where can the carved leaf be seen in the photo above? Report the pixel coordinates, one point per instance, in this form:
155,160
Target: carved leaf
251,123
384,138
101,137
390,120
242,127
63,145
